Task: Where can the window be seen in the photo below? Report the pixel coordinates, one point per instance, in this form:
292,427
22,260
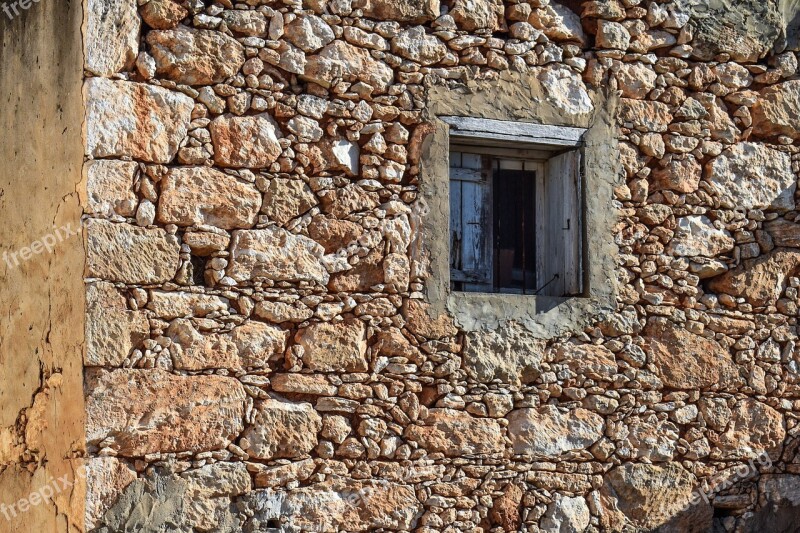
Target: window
516,224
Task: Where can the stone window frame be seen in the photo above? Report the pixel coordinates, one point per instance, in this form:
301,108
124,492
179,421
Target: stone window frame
543,316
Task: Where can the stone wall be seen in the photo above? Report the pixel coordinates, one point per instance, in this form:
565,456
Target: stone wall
261,349
41,269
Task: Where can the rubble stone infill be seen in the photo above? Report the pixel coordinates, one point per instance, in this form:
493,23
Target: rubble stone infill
260,352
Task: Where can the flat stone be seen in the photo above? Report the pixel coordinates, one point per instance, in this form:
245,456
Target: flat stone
148,411
697,236
109,187
204,196
783,232
336,504
592,361
753,176
457,433
549,432
112,330
775,112
250,141
286,199
342,60
511,354
275,254
649,497
280,476
334,347
754,429
703,364
282,429
130,254
205,243
416,11
415,44
176,304
111,36
191,350
141,121
760,281
195,57
420,322
315,384
258,343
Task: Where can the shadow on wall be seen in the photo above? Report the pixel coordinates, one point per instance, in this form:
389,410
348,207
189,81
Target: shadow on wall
791,14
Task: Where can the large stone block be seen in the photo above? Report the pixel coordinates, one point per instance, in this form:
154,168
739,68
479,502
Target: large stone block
342,60
286,199
337,347
754,429
753,176
547,431
195,57
282,429
702,363
417,11
111,39
130,254
275,254
106,479
137,412
109,187
511,354
775,113
112,330
141,121
250,142
697,236
457,433
760,281
204,196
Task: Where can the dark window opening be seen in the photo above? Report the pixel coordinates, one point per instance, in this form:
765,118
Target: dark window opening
515,221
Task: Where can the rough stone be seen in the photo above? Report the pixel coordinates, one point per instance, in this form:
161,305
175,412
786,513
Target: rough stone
203,196
456,433
416,45
775,112
681,174
760,281
133,119
549,432
163,14
558,22
703,363
195,57
275,254
147,411
506,509
645,115
337,347
753,176
286,199
566,91
309,33
169,305
783,232
342,60
112,331
416,11
109,187
595,362
282,429
510,354
106,479
250,23
250,141
566,515
111,39
129,254
754,429
471,15
697,236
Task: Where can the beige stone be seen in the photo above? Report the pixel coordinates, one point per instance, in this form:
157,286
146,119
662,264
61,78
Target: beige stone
250,23
112,330
775,113
337,347
558,22
332,233
416,11
309,33
106,479
645,115
286,199
783,232
760,281
163,14
282,429
258,343
146,411
697,236
250,141
176,304
134,119
420,322
109,187
193,351
338,155
550,432
342,60
456,433
195,57
754,429
418,46
205,243
703,363
111,39
681,174
471,15
315,384
129,254
636,80
204,196
591,360
511,354
275,254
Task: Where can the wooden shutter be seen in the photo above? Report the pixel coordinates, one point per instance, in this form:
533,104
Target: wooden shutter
560,239
470,223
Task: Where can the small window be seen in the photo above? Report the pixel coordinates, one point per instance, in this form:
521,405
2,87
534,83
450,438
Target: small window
516,224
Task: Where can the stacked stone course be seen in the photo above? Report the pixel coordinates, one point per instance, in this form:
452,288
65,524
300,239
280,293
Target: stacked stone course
260,351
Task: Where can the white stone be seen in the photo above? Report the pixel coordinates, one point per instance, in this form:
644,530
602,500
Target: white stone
566,515
753,176
566,90
111,37
696,236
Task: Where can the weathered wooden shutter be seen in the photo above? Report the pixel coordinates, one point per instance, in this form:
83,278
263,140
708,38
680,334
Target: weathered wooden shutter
560,238
470,223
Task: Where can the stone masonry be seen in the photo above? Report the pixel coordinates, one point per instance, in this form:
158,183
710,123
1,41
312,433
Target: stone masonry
261,352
